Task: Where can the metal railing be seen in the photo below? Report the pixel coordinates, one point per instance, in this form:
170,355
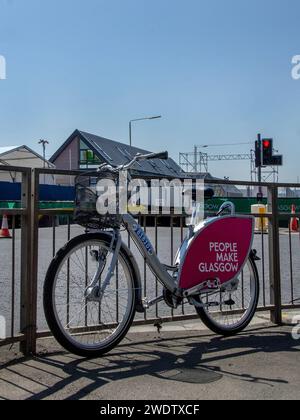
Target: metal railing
24,276
27,301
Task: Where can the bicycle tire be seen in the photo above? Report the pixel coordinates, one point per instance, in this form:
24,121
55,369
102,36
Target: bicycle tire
227,332
48,298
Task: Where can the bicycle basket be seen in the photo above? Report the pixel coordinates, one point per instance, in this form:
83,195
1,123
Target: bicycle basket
86,197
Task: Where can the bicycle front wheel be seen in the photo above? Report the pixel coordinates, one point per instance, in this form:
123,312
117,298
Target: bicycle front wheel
87,327
237,303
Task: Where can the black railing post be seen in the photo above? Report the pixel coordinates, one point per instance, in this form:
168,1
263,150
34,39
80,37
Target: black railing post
274,256
29,262
26,345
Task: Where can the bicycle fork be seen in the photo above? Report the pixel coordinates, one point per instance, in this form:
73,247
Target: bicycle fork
94,291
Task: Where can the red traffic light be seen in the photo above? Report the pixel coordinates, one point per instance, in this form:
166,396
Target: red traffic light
264,153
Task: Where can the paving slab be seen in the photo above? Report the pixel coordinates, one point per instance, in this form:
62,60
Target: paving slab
178,364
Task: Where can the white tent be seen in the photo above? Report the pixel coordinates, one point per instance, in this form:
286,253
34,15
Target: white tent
25,157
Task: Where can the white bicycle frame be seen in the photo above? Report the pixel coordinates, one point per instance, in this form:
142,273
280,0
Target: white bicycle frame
161,271
144,245
146,249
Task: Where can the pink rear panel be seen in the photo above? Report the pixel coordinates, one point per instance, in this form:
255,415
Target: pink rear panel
220,250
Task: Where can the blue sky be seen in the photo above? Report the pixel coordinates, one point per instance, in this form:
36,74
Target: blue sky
217,71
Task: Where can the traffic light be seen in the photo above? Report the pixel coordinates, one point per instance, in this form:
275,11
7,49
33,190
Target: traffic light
264,154
267,152
258,162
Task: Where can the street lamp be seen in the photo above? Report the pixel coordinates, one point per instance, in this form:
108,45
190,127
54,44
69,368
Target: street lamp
44,143
139,119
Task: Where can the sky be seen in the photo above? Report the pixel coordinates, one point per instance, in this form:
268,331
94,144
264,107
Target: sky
217,71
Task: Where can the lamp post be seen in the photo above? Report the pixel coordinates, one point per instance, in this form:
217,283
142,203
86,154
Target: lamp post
139,119
44,143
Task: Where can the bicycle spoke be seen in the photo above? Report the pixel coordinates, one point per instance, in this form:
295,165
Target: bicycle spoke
89,322
234,306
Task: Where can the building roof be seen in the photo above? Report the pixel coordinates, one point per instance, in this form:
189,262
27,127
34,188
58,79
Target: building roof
201,175
117,153
19,153
227,188
7,149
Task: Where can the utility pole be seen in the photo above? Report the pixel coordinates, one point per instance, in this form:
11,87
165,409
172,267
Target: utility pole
260,166
196,159
44,144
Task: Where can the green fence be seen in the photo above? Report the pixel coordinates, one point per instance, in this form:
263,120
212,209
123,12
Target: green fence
44,205
243,205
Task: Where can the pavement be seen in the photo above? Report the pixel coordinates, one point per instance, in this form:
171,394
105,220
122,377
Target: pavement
182,362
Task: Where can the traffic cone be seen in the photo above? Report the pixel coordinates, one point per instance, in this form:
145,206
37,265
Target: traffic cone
294,225
4,232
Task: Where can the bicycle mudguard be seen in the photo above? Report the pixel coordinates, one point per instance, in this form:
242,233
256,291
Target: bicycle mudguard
218,252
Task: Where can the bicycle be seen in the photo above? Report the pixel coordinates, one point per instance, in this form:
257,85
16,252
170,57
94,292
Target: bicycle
93,286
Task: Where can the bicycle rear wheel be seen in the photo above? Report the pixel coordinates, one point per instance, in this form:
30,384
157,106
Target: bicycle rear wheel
236,307
84,327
